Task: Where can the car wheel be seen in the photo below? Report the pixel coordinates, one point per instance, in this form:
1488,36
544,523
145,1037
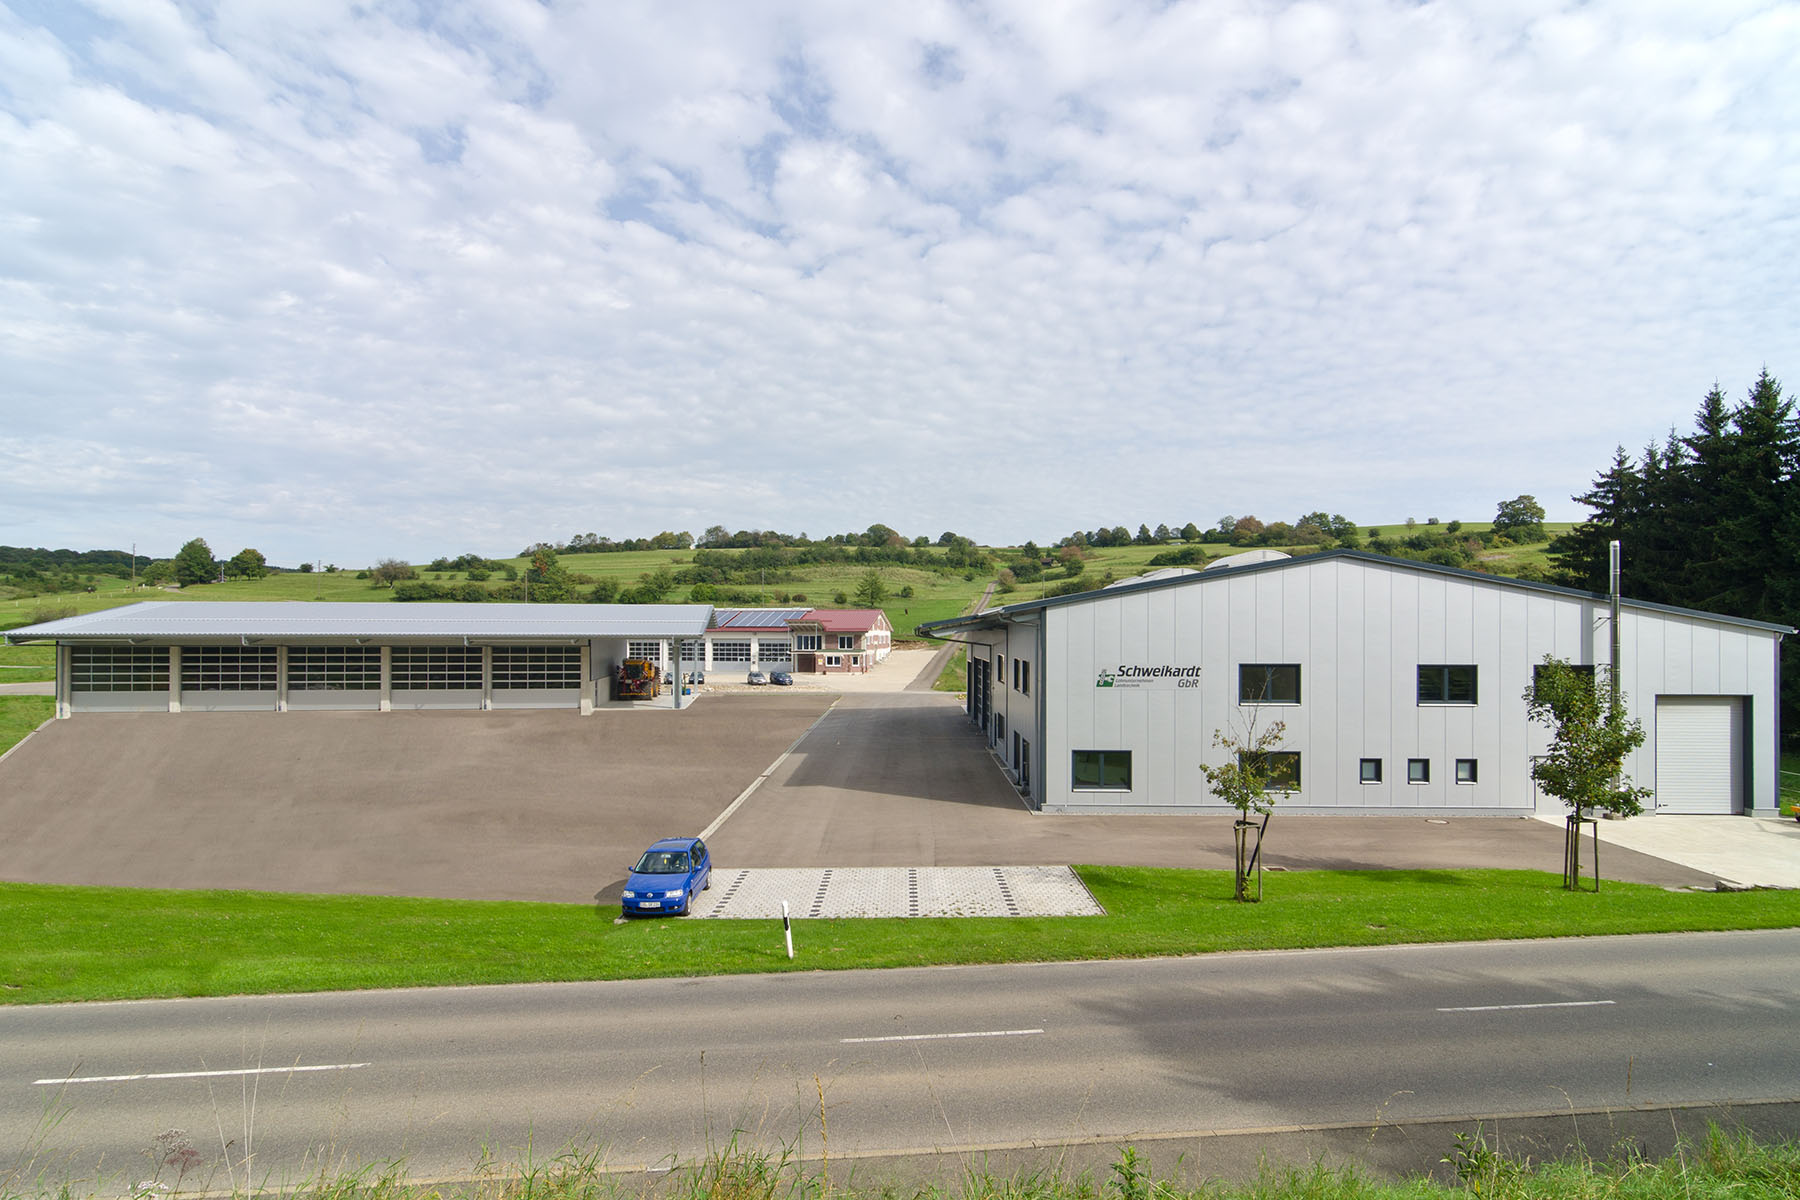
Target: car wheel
707,886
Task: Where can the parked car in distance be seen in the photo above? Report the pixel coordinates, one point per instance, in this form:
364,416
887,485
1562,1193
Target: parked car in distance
781,679
757,679
667,878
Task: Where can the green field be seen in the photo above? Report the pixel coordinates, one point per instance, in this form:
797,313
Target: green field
78,943
19,715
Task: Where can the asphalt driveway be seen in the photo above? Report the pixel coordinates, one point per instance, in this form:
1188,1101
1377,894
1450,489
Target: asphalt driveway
505,805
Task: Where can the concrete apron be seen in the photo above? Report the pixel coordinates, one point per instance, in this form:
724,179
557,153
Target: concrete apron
1750,852
825,892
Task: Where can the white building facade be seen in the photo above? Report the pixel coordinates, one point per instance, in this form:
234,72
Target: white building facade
1400,686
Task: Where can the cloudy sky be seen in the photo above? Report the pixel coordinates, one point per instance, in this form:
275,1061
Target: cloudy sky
346,280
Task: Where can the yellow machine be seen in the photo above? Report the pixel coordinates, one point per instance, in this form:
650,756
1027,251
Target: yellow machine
637,679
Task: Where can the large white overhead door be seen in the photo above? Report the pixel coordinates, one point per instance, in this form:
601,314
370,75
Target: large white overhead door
1699,754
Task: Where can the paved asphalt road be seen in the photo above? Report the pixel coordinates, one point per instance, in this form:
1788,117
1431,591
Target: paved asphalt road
937,1058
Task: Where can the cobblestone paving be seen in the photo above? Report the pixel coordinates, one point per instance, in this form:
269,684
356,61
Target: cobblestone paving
757,893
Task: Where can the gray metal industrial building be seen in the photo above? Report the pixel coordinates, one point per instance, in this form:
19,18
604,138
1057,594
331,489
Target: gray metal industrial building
1400,685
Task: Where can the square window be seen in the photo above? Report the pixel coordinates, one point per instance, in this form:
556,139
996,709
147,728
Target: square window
1101,770
1268,683
1465,770
1281,768
1418,770
1447,685
1369,771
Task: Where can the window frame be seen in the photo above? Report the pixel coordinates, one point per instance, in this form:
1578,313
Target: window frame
1474,771
1440,674
1362,770
1265,673
1291,757
1422,774
1100,763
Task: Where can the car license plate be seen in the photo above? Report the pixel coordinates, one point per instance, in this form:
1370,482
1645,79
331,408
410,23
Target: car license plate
650,904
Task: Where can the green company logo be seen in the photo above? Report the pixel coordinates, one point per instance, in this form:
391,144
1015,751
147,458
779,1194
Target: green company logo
1105,680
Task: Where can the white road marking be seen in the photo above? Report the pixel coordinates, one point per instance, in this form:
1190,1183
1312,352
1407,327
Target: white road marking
933,1037
1555,1004
758,781
197,1074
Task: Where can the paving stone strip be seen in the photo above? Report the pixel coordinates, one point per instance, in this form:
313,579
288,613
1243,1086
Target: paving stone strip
756,893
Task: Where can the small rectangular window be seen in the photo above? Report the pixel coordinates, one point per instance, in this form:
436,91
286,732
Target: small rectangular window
1369,771
1268,683
1465,770
1101,770
1418,770
1281,768
1447,685
846,641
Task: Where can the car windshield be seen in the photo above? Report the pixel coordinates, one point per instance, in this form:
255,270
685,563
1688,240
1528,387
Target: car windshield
662,862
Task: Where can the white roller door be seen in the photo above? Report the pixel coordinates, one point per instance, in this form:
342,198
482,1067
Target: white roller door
1699,754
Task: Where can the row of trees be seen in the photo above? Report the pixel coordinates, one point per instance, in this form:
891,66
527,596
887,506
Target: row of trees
1709,520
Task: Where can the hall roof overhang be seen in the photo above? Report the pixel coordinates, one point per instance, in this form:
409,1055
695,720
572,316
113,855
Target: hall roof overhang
171,621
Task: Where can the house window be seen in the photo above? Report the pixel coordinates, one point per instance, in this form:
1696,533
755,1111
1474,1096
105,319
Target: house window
834,660
1281,768
1101,770
1369,771
846,641
809,641
1025,679
1000,668
1447,685
1418,770
1465,770
1269,683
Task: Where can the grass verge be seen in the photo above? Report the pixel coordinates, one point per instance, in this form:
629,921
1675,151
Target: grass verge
19,715
955,675
1717,1166
81,943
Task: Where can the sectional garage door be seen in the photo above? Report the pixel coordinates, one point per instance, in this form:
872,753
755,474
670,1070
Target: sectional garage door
1699,754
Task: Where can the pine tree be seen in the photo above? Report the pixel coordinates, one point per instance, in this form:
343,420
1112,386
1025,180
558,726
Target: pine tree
1580,556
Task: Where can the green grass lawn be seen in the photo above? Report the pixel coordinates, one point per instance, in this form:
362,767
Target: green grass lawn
19,715
76,943
955,675
1790,780
27,664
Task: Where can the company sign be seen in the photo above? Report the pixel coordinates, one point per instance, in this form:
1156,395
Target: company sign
1148,677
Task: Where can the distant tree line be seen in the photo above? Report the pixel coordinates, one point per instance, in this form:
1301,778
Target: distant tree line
1707,520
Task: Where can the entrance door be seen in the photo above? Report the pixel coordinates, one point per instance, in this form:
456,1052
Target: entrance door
1700,754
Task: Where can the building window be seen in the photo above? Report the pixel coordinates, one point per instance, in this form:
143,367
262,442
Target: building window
540,667
693,651
731,651
1101,770
1446,685
809,641
1418,770
1024,763
1000,668
774,650
436,668
1015,748
1280,767
834,660
846,641
1025,679
1369,771
1269,683
334,668
228,668
1465,770
121,668
648,651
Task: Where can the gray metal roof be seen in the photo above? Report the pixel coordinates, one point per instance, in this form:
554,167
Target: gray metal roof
994,618
301,620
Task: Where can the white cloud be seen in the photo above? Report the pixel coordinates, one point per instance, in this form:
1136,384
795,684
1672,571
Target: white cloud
341,282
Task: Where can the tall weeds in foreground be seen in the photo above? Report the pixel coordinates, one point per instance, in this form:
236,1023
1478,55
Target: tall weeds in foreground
1719,1166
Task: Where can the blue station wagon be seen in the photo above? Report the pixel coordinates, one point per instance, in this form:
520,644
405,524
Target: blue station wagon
667,878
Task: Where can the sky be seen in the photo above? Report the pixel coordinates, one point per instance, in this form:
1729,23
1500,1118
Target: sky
344,281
